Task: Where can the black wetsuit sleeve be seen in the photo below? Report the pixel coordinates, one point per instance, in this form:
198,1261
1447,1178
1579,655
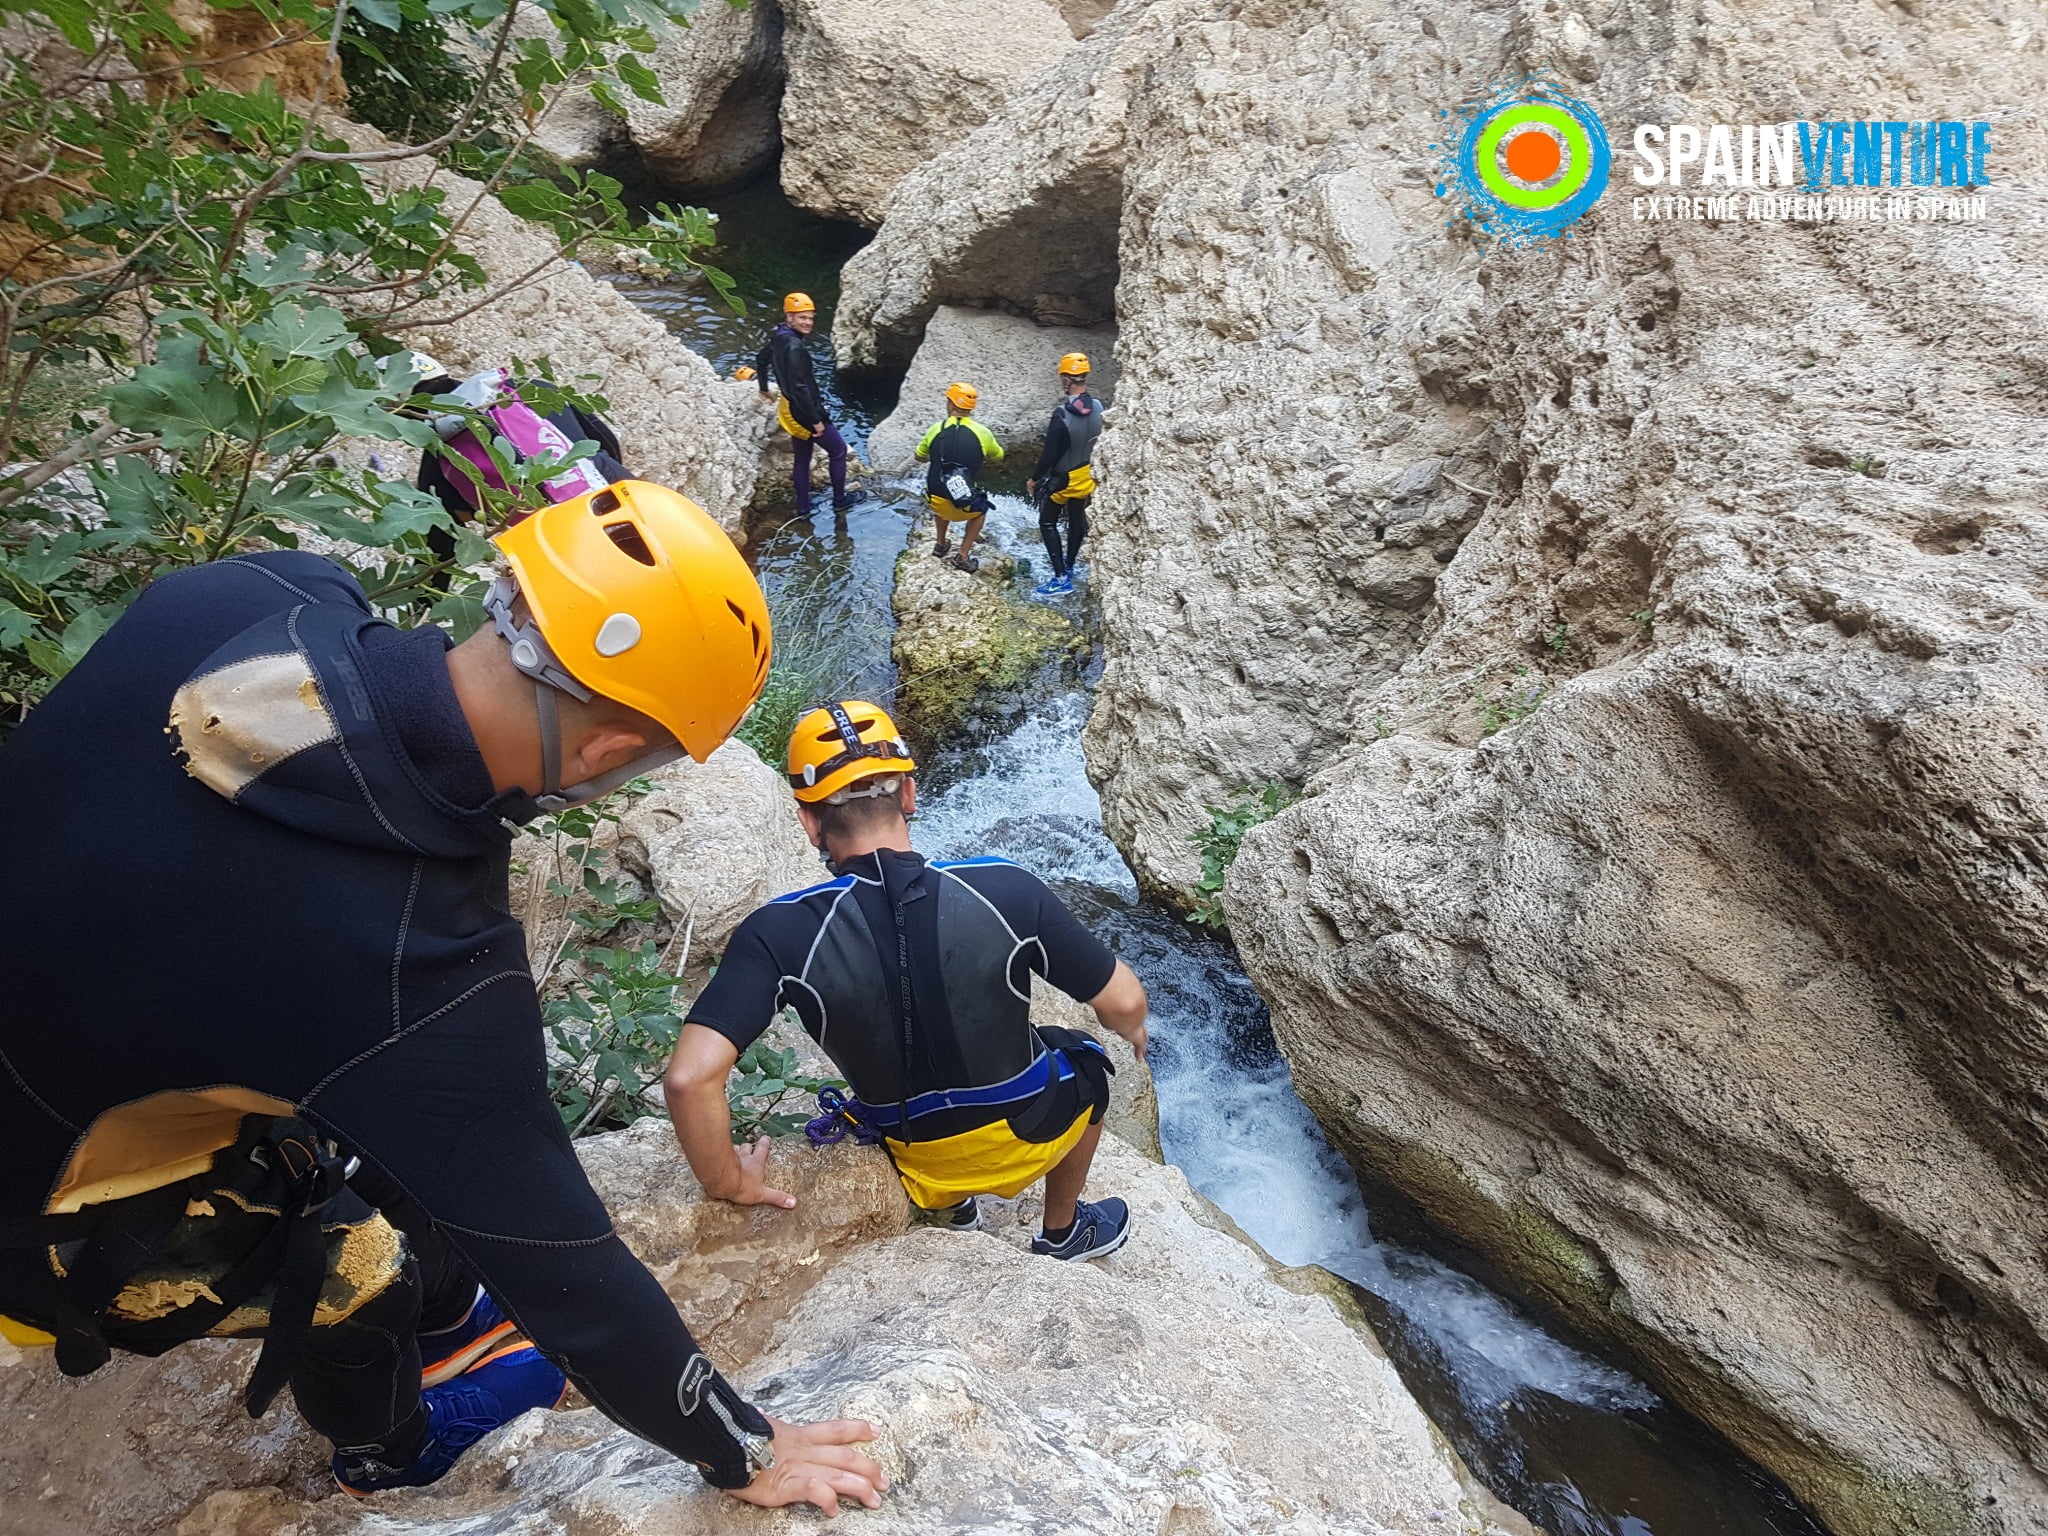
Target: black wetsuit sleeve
741,999
764,364
1055,445
455,1110
799,380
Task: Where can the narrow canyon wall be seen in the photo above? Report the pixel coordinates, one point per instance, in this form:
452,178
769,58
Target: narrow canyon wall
1657,620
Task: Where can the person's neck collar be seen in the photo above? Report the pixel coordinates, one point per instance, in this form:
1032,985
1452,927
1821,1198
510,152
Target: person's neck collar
863,855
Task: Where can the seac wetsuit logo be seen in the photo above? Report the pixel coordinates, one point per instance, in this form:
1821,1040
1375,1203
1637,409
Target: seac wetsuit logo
1528,161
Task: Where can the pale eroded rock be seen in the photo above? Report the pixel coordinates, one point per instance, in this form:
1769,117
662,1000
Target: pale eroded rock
1163,1389
964,643
878,87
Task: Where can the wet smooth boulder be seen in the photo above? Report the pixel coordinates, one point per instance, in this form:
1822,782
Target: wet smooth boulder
1011,360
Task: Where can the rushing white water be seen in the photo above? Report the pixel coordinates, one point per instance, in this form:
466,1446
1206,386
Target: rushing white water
1228,1112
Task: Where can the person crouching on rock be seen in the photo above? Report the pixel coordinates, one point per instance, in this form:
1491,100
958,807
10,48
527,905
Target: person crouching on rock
1064,482
274,1062
786,356
915,978
956,446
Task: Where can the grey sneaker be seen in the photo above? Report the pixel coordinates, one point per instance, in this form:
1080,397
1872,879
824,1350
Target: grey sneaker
1100,1228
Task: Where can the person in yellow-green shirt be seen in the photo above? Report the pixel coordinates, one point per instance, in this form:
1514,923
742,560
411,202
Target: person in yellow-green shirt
956,446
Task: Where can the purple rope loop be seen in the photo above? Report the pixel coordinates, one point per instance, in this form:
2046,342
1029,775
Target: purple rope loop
838,1122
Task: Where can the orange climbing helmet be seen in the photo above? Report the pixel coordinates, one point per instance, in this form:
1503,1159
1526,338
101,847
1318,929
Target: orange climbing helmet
638,596
1074,366
962,397
846,751
798,304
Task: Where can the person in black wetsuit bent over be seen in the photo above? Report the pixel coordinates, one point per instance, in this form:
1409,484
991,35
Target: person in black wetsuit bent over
259,958
916,979
1064,482
786,356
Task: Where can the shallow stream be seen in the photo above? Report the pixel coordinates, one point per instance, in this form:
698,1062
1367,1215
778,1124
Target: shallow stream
1578,1445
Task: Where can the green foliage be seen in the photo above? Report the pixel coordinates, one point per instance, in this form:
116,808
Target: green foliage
1556,640
1220,840
212,292
820,648
1511,700
612,995
762,1083
1874,468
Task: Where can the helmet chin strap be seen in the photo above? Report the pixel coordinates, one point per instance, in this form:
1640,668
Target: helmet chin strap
534,658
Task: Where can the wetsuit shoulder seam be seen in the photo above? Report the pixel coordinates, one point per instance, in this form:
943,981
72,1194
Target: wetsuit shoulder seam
413,1028
37,1099
261,570
291,625
1001,916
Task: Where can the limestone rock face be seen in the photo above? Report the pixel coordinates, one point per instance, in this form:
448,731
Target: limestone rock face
720,79
1160,1389
964,643
1022,212
878,87
679,423
1012,361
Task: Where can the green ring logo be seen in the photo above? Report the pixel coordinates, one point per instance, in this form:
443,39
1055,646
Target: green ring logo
1530,161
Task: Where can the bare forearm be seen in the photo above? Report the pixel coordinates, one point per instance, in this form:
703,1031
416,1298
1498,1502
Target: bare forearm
703,1125
1121,1006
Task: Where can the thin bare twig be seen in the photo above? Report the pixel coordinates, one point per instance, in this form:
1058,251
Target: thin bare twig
92,446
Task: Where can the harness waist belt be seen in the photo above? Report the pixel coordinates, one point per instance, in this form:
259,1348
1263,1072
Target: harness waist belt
1050,1067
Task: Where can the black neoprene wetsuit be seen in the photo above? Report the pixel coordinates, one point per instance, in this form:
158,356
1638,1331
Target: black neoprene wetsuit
309,911
974,933
787,356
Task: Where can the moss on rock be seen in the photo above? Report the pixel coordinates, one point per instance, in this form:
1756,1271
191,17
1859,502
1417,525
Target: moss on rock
963,640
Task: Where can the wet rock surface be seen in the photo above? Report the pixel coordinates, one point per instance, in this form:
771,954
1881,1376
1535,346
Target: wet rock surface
1655,620
965,642
1012,361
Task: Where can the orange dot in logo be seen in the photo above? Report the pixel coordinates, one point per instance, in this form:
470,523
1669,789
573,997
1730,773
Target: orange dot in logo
1532,155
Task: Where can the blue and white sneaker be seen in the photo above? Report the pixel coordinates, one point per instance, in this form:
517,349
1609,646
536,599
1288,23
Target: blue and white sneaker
964,1217
460,1413
1099,1230
447,1354
1058,586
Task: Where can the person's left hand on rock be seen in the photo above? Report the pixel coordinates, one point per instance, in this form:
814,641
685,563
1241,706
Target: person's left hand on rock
816,1464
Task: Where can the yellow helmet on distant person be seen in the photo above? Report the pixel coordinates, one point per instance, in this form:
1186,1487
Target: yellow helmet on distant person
846,751
962,397
643,599
798,304
1074,366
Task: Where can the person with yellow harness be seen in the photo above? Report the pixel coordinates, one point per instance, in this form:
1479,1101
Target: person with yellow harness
915,977
786,357
956,446
272,1063
1064,482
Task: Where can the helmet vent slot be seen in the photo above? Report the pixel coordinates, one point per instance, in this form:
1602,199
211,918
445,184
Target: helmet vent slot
605,502
628,537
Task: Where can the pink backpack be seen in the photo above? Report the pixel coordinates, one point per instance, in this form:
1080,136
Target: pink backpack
493,393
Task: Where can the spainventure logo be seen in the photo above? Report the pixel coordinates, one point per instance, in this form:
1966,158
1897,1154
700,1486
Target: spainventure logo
1526,163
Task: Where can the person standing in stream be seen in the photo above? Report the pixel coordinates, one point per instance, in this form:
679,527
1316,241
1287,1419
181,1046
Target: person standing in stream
786,357
1064,482
272,1062
956,446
